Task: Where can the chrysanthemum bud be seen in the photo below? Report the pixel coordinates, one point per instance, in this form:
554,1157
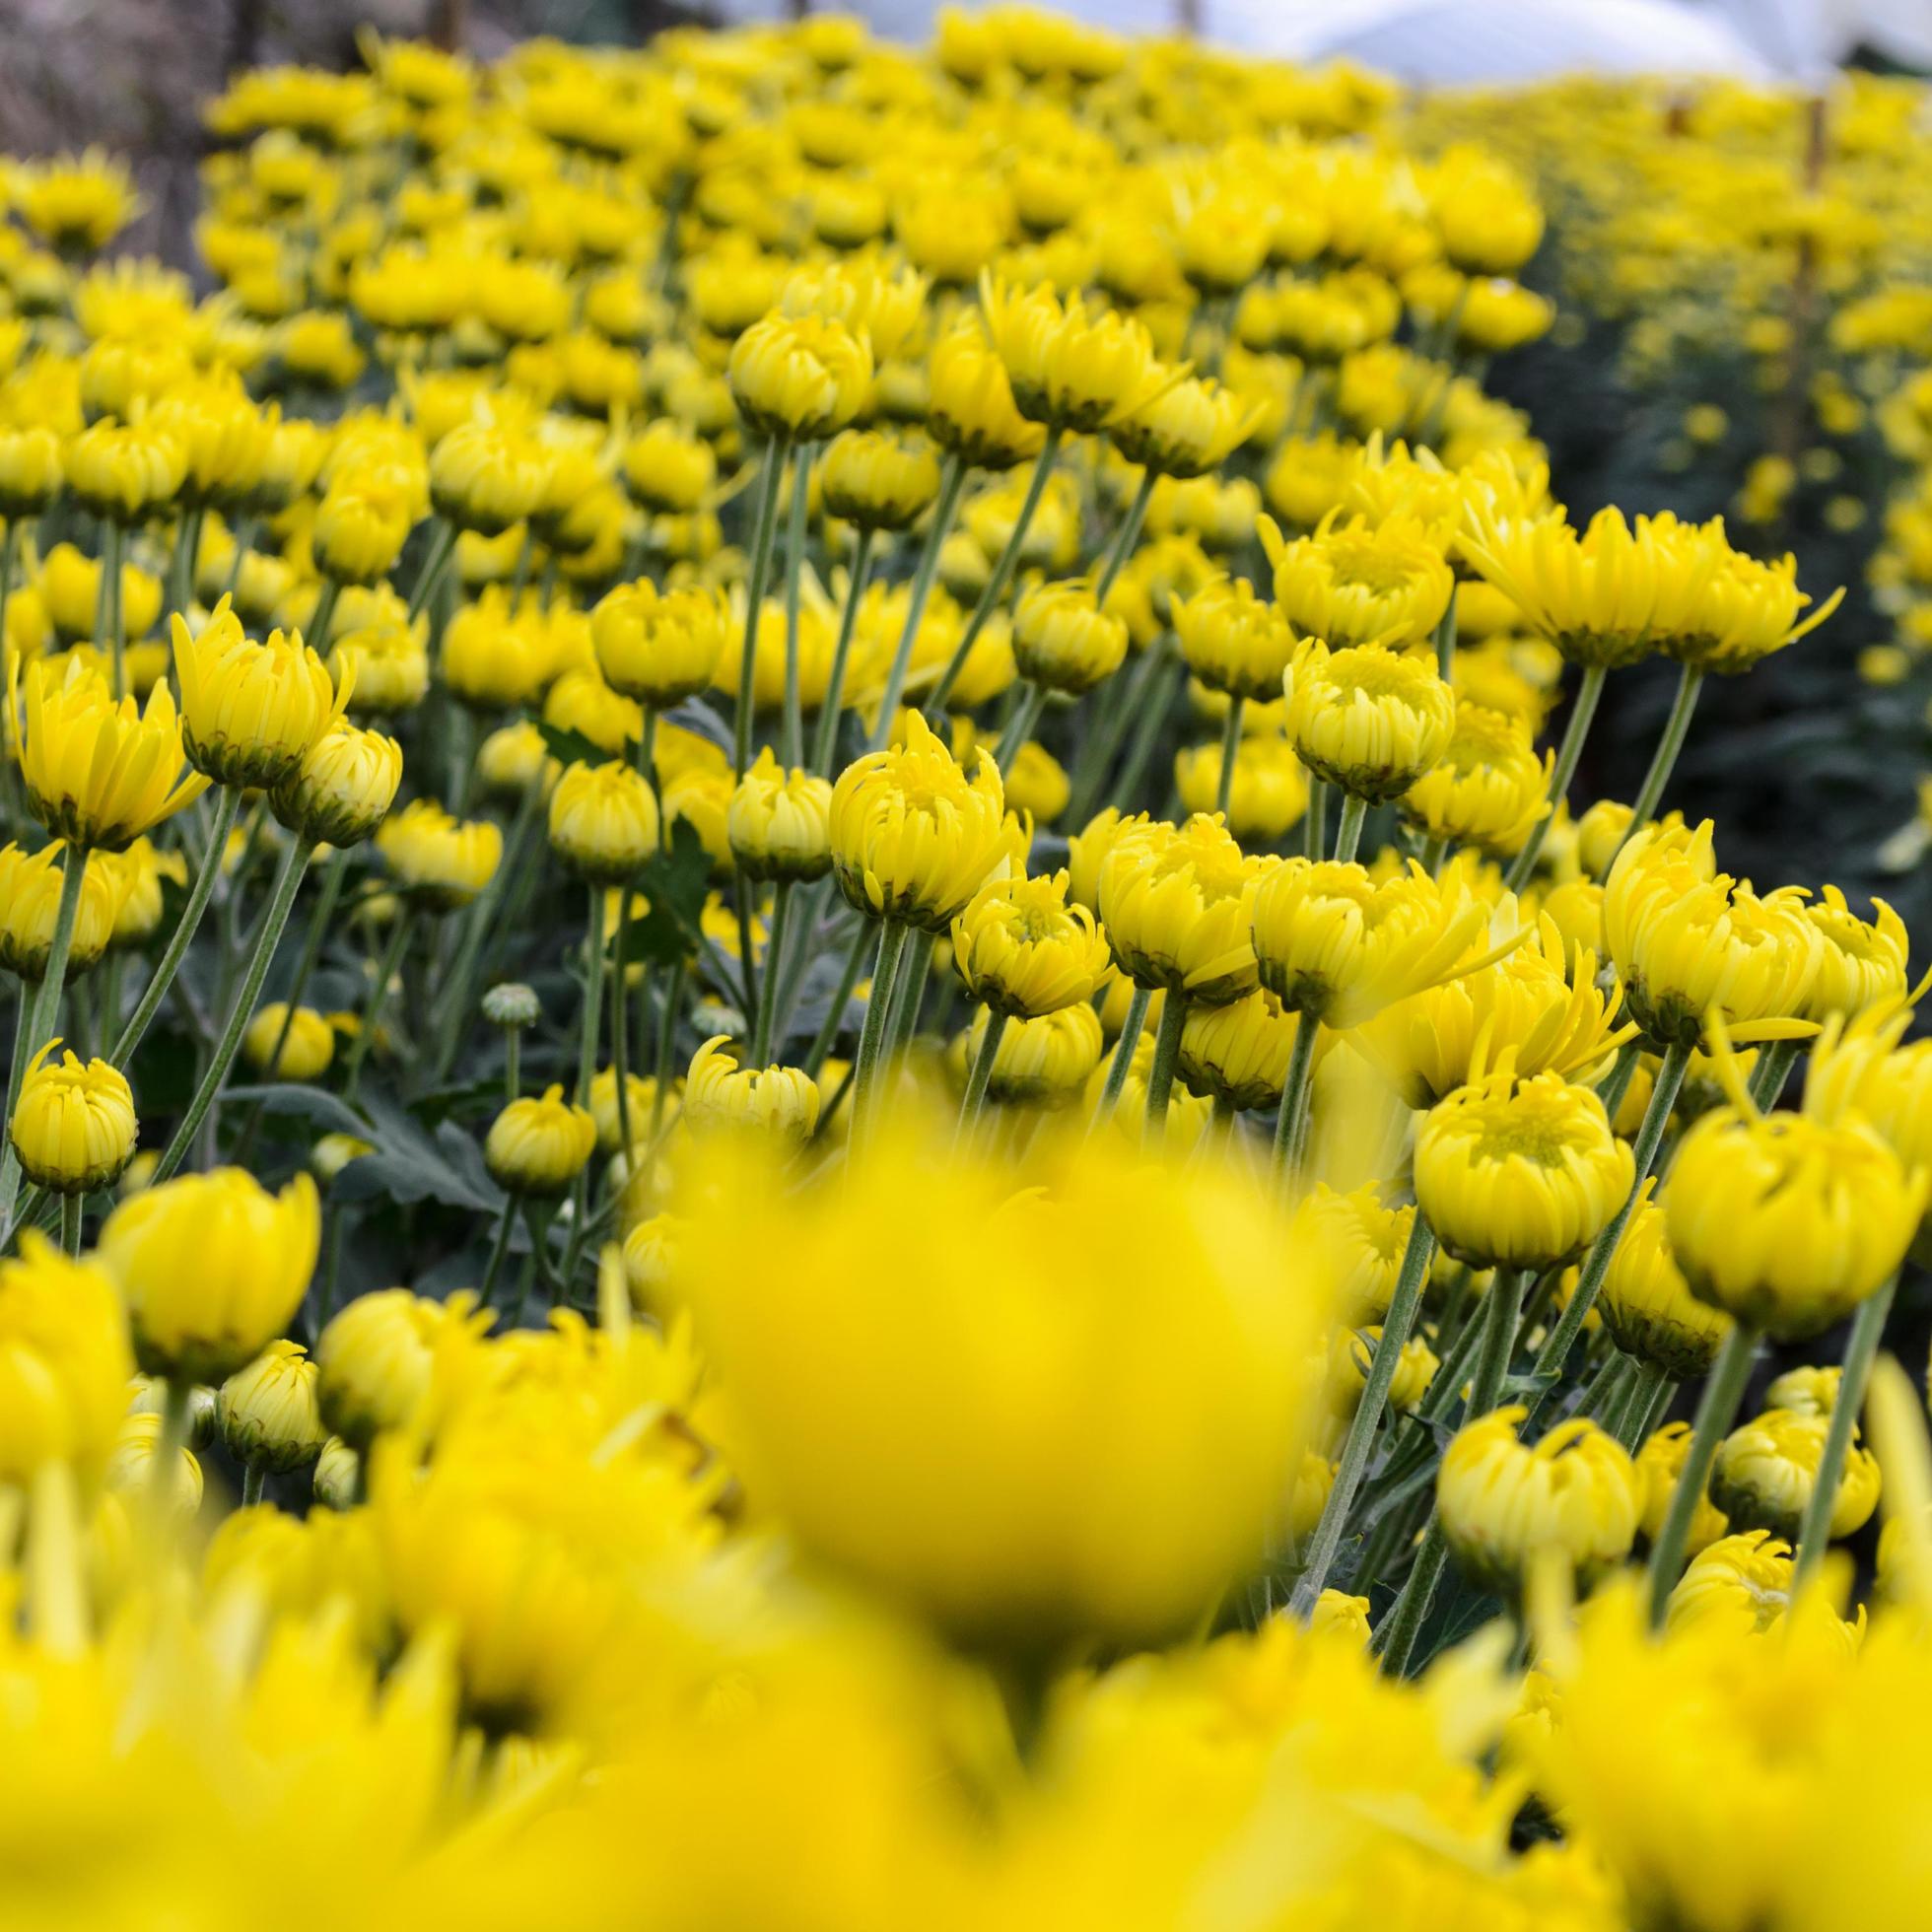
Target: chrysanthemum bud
877,481
800,376
538,1147
1233,641
343,789
1041,1061
267,1411
1177,904
604,820
64,1363
1021,949
779,822
1367,719
305,1055
375,1358
511,1004
782,1101
485,477
1766,1469
658,648
1239,1053
73,1125
251,713
444,862
1063,641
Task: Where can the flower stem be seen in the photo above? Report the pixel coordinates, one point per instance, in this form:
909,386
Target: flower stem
379,994
862,948
1019,726
893,934
978,1079
107,608
1718,1405
70,1222
1002,575
1123,1060
1815,1532
1349,827
1108,730
1314,823
288,882
825,747
761,1039
666,1044
1583,707
251,1480
442,548
1445,638
1767,1077
763,533
1230,753
1396,1325
594,960
1691,680
498,1249
1639,1399
170,1440
1129,535
1162,685
1161,1075
794,559
1290,1120
952,482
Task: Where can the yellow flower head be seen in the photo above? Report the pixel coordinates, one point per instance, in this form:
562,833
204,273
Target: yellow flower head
1270,791
444,862
1178,905
659,649
64,1363
485,476
29,906
360,525
73,1125
99,773
667,468
1351,1354
1238,1053
1366,719
251,713
800,377
604,820
1233,641
1648,1306
1660,1462
779,822
1687,941
305,1053
970,407
1520,1173
30,469
913,837
782,1102
1360,583
142,870
1187,428
1766,1469
1064,641
1361,1244
1021,949
1506,1505
267,1413
378,1359
877,481
1746,610
343,789
212,1267
1043,1060
496,657
1862,963
1489,789
77,203
537,1145
1071,365
125,471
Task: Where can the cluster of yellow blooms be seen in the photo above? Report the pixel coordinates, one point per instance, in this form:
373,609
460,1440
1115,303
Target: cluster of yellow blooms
862,653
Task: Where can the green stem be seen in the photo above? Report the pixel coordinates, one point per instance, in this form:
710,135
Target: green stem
593,948
498,1249
162,977
288,882
443,546
828,1032
1773,1066
1003,573
1121,547
893,934
826,745
187,550
976,1081
170,1440
1163,688
1445,638
1161,1075
1314,823
109,606
1433,851
245,531
455,994
1395,1327
1118,1068
1230,753
1019,726
620,1023
1349,827
666,1045
795,558
1690,682
324,615
512,1066
1097,754
1640,1400
1291,1119
952,483
379,994
1716,1409
251,1479
1815,1532
763,533
1563,1338
742,909
761,1039
1582,709
70,1222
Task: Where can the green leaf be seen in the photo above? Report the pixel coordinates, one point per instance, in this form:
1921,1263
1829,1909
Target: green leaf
675,883
570,747
326,1109
694,715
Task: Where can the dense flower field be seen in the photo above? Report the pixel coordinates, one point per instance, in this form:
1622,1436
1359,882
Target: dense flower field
832,1104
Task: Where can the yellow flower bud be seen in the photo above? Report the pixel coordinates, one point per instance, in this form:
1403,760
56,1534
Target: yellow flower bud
667,468
1520,1173
1021,949
64,1363
1660,1462
496,659
1238,1053
878,482
651,1263
125,471
641,1097
604,820
1861,964
1233,641
513,758
1359,584
1491,788
659,649
70,587
1367,719
1340,1616
1186,429
29,906
444,862
73,1125
29,470
251,713
799,378
1807,1391
1353,1353
779,822
305,1055
1045,1060
538,1147
1177,904
343,788
1506,1504
780,1101
701,798
1785,1221
212,1267
1745,610
338,1480
1360,1243
131,1470
267,1411
1650,1307
382,661
1766,1469
360,525
1076,366
1739,1584
485,476
1270,793
1063,641
334,1151
376,1358
971,410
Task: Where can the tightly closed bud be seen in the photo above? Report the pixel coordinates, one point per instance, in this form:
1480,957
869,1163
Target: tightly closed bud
484,477
640,1094
651,1263
212,1267
1367,719
1333,945
971,410
64,1363
1506,1504
1041,1061
659,648
376,1359
1788,1223
1076,366
1022,950
1187,428
360,525
267,1413
538,1147
444,862
667,468
877,481
782,1101
305,1055
383,663
251,713
513,759
70,588
73,1125
125,471
338,1480
913,837
1520,1173
99,772
343,789
1765,1473
1660,1462
1806,1391
29,470
1233,641
779,822
1064,641
1178,907
1238,1053
496,657
29,906
334,1151
1688,939
799,378
1489,789
1648,1305
603,822
131,1470
511,1004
